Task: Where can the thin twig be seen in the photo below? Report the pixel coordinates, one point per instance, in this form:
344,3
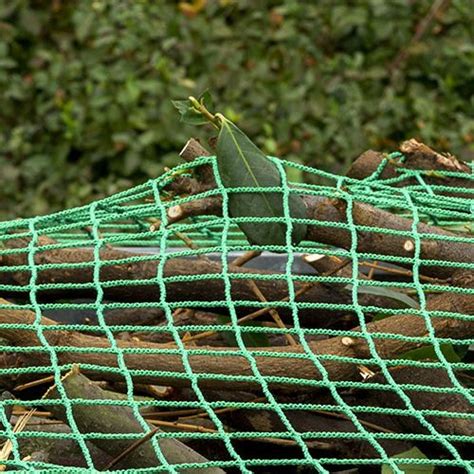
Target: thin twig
202,429
45,414
370,275
304,288
174,413
397,271
289,442
421,28
189,243
205,414
249,317
330,414
131,448
341,416
273,313
182,426
19,426
34,383
246,257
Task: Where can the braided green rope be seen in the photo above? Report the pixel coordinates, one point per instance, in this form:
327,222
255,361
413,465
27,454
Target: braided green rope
368,336
182,350
262,382
44,342
125,220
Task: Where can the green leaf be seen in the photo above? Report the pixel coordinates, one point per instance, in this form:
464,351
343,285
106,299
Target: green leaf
408,468
388,293
206,99
188,113
193,117
461,350
428,352
30,21
181,105
241,163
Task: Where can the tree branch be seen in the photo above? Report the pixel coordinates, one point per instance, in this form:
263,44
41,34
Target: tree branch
234,364
328,212
418,156
117,267
114,419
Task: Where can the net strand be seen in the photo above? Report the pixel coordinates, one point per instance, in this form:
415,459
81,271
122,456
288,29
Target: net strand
136,222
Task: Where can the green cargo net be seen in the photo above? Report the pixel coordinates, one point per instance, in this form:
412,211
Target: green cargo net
348,350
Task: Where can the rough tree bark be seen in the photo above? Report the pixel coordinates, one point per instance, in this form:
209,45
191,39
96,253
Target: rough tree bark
116,267
329,213
418,156
281,364
115,419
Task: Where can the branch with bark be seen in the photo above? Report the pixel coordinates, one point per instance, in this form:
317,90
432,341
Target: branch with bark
113,419
392,336
437,245
417,156
137,281
358,345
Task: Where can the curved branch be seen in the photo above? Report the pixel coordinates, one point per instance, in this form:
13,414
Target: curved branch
167,367
117,266
333,211
418,156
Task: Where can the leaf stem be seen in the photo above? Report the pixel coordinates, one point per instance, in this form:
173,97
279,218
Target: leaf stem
201,108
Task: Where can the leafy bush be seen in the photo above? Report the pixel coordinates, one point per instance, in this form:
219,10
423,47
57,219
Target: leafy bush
86,85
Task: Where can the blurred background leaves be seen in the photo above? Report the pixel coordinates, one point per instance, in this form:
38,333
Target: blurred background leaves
85,107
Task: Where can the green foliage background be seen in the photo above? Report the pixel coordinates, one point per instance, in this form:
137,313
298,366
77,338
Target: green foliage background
86,85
